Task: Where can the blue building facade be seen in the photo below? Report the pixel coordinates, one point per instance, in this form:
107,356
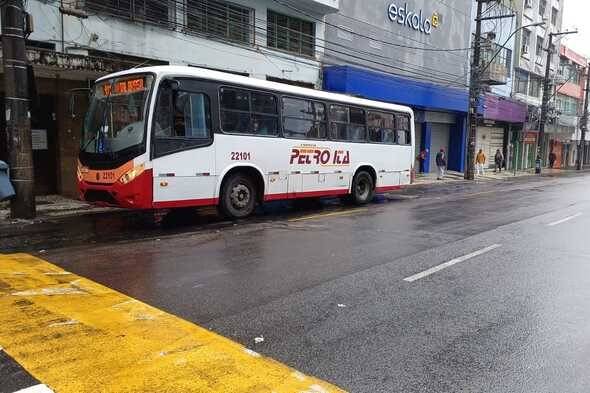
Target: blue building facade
440,111
410,52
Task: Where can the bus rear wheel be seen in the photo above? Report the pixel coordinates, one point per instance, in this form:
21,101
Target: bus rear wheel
363,188
238,196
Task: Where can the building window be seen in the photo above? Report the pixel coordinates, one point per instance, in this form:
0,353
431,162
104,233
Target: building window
526,42
542,7
248,112
290,34
528,3
570,73
535,87
567,105
554,14
520,82
304,119
220,19
152,11
539,51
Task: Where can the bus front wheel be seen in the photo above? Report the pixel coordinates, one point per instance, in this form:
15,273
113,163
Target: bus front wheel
363,188
238,196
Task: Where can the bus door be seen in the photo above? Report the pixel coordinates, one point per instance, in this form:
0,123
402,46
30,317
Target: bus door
184,163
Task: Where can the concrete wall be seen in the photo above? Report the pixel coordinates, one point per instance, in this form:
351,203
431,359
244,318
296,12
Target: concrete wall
371,18
125,37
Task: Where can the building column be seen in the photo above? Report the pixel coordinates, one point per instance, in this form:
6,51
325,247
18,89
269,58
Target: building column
425,145
457,145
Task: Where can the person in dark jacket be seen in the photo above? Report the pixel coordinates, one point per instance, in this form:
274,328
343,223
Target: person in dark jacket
498,160
441,163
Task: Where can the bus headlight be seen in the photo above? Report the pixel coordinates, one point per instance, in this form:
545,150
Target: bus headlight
131,174
81,171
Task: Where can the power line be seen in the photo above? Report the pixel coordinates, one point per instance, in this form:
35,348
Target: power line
263,31
414,72
302,12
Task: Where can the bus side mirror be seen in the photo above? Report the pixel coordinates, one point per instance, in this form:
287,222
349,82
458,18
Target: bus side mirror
171,84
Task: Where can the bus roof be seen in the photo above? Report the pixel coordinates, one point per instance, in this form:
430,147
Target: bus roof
203,73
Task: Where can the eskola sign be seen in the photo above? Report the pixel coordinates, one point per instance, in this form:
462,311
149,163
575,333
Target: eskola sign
412,19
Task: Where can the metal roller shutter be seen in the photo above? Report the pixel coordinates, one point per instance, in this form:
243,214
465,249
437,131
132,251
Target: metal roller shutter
440,139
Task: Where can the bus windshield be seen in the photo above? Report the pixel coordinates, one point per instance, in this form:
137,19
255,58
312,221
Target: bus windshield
116,117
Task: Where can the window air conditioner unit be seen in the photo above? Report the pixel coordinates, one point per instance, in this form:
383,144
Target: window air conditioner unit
73,8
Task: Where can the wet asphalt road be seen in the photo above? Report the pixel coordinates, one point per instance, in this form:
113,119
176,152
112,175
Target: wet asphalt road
326,289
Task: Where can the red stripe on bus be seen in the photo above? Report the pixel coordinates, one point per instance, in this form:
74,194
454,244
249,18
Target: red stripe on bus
307,194
186,203
387,188
269,197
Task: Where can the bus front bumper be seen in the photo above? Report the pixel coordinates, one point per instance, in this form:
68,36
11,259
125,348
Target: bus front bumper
136,194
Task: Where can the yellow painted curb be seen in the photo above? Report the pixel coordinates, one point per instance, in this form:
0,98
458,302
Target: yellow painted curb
75,335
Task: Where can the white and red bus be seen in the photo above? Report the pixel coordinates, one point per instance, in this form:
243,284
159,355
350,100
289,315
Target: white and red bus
173,136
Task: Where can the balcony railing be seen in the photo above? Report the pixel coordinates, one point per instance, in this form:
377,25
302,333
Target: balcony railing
496,66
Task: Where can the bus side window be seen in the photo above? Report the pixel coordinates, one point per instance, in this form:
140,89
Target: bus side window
248,112
358,125
403,130
163,113
235,110
339,122
182,120
381,127
303,119
191,115
348,123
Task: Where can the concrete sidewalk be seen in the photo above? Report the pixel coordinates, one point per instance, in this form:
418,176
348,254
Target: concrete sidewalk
489,175
53,206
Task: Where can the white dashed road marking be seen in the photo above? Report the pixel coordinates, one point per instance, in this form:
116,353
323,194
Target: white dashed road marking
564,220
450,263
35,389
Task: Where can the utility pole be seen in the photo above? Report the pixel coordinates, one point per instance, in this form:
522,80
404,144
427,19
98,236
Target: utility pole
474,89
475,86
546,91
584,121
18,122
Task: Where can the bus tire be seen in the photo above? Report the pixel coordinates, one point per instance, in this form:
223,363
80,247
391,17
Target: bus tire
238,196
363,188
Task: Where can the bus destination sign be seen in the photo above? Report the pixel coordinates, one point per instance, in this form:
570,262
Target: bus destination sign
124,87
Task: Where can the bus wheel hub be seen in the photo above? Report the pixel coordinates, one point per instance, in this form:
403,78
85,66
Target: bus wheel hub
240,196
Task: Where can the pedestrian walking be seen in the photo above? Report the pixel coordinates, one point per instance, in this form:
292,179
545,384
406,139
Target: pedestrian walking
441,163
498,160
421,158
480,161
